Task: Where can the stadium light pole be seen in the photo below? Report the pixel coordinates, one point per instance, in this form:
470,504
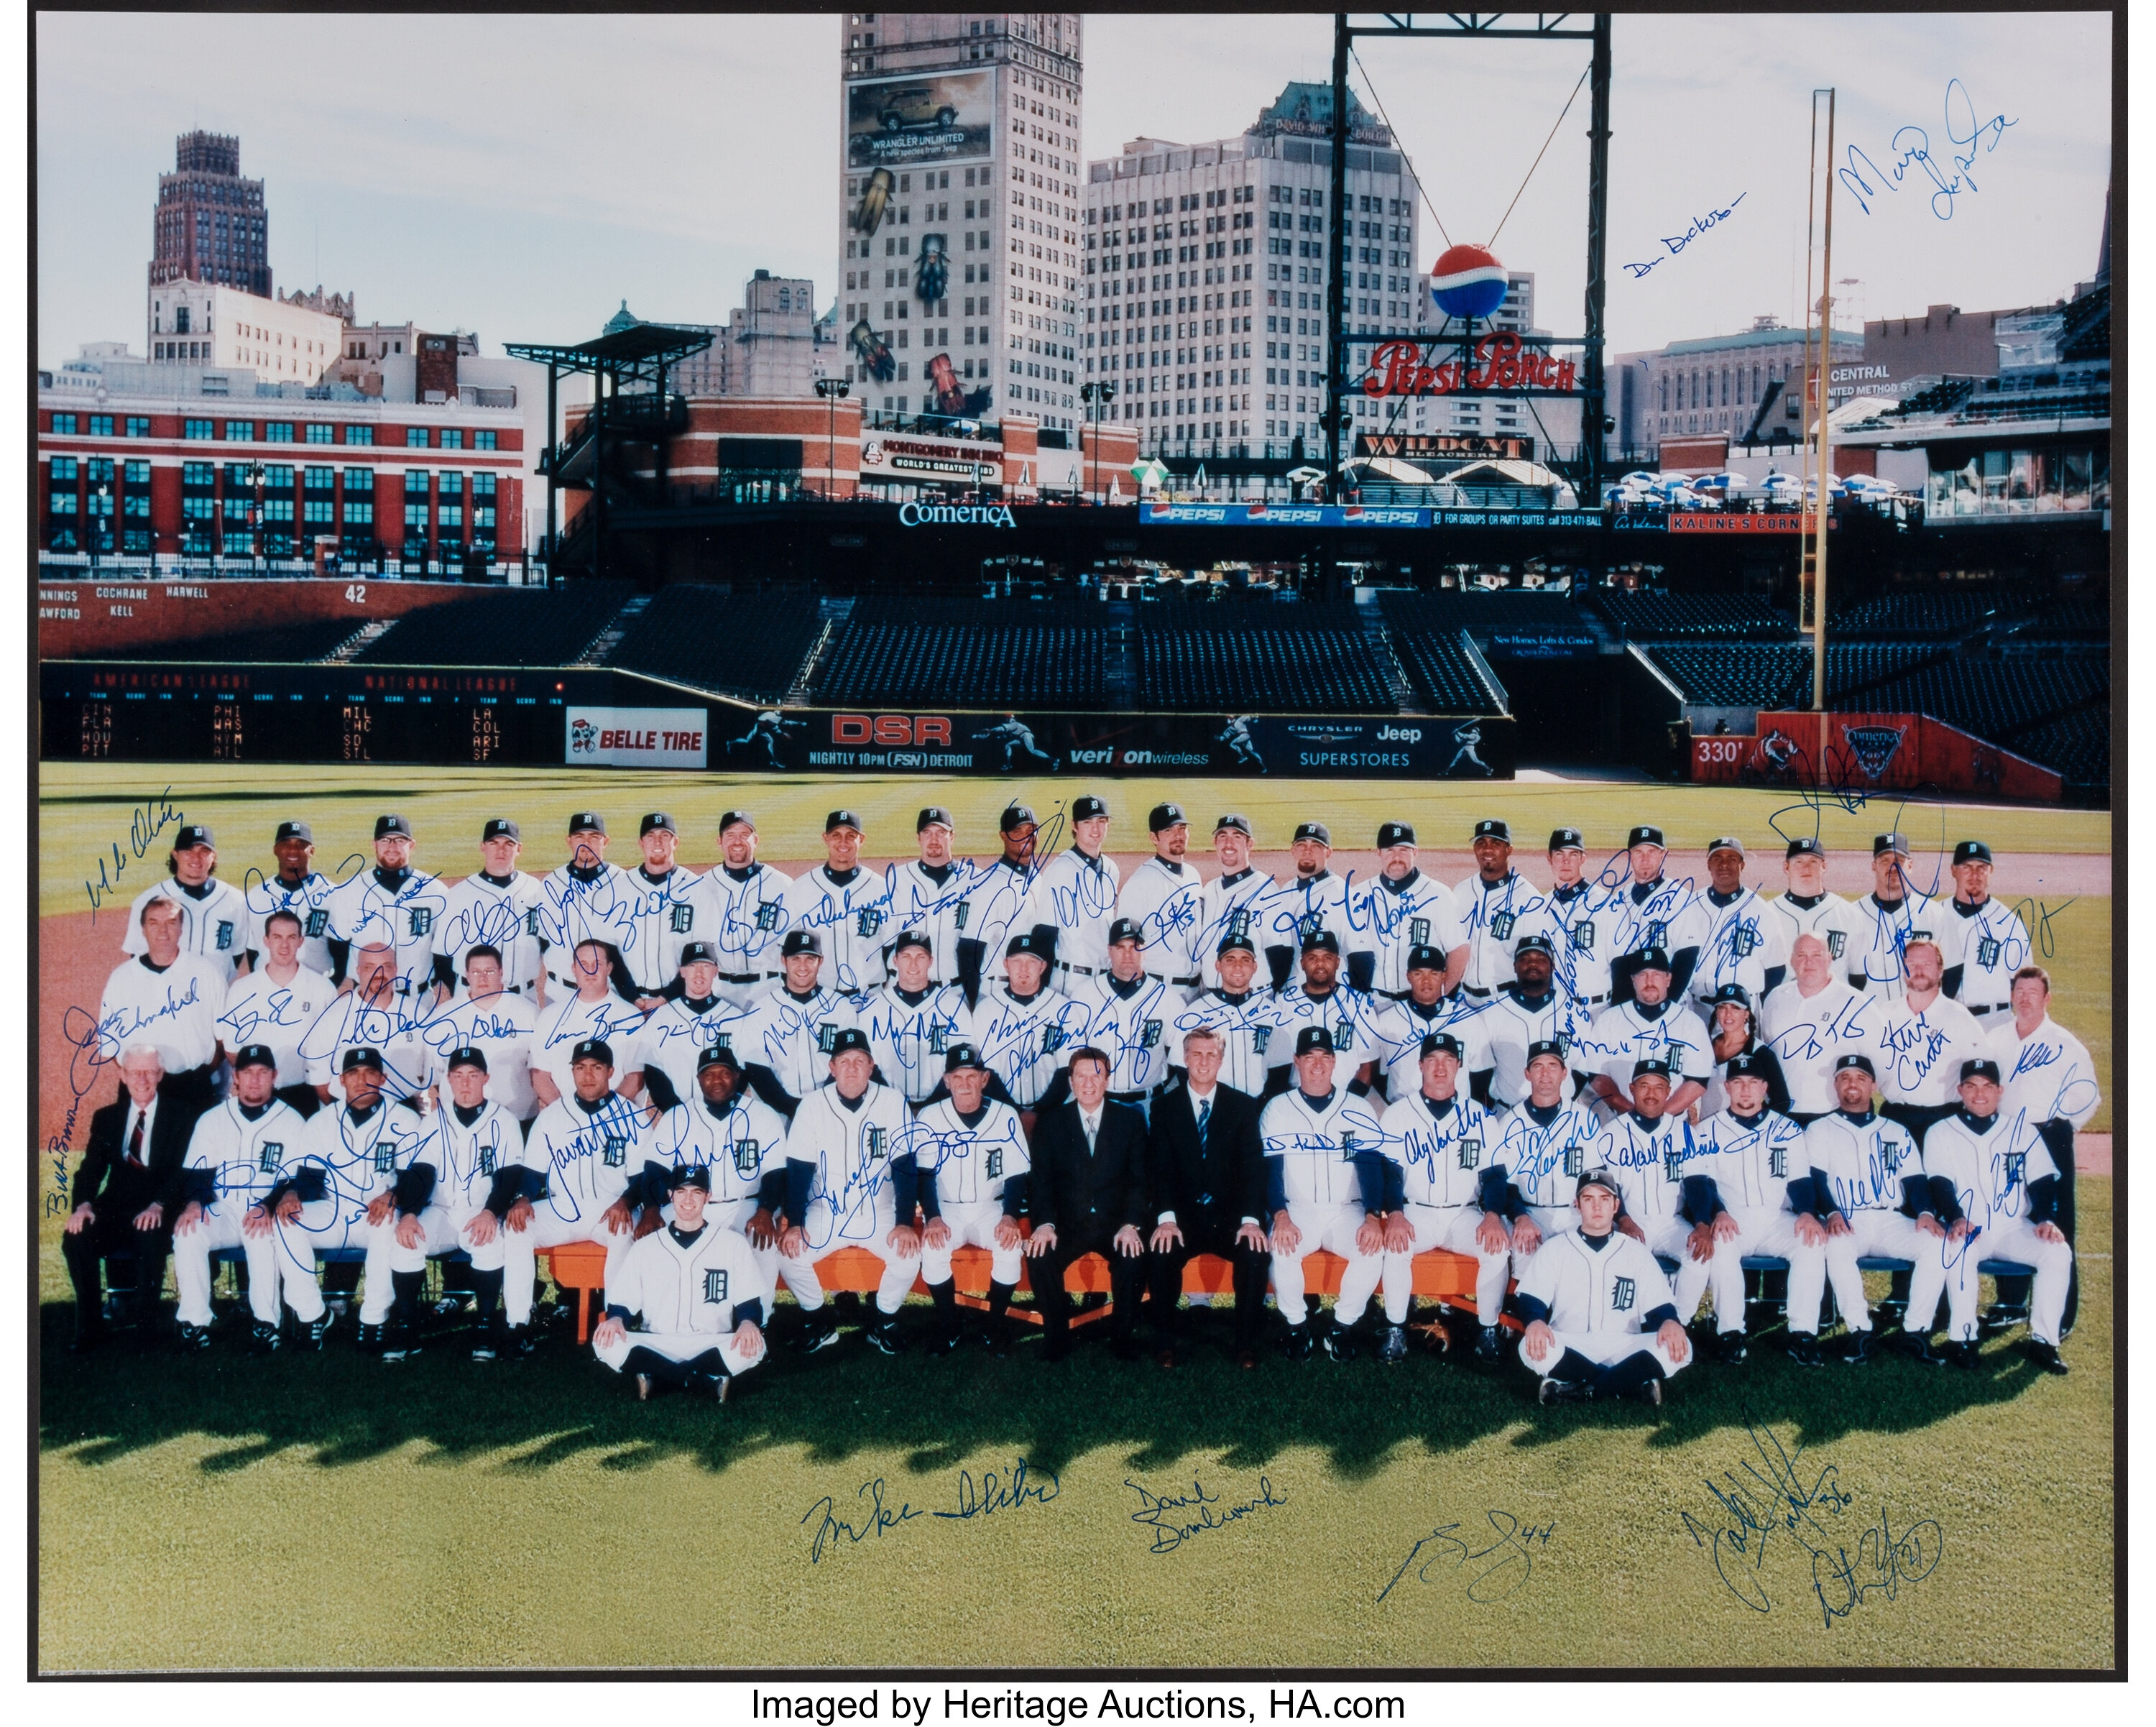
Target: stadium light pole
1094,394
830,389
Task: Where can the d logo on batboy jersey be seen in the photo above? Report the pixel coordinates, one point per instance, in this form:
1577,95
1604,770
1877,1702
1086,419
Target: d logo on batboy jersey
714,1285
1621,1293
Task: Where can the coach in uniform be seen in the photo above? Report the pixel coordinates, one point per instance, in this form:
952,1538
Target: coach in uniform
972,1166
231,1161
477,1153
1808,1022
2051,1094
170,998
299,888
497,905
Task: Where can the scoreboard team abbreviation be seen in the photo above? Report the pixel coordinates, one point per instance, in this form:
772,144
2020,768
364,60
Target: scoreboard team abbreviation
911,1709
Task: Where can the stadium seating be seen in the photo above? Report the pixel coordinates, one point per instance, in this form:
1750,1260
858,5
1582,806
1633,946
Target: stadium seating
1693,617
748,644
1440,672
1449,610
1304,665
981,664
1932,617
2077,744
1754,675
507,627
287,645
1993,697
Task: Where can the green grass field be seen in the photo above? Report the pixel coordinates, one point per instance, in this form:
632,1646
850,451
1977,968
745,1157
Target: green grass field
334,1512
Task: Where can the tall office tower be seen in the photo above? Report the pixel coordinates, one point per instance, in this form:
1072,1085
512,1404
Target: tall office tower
958,221
211,226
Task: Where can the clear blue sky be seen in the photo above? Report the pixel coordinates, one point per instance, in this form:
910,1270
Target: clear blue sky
521,176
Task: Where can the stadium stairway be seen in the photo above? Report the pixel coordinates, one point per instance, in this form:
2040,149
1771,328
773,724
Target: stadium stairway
833,613
1405,697
609,638
1122,682
364,637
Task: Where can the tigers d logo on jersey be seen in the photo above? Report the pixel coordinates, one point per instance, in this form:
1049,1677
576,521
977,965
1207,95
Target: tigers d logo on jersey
960,912
1149,1034
1778,1162
680,917
224,937
767,916
875,1140
715,1285
1500,926
616,1151
1471,1153
1743,940
996,1163
1583,937
420,920
1836,940
271,1154
1621,1295
385,1156
1987,952
747,1153
1418,932
868,920
1575,1159
318,920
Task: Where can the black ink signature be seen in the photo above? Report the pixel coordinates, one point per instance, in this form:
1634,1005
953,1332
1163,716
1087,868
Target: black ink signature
1012,1493
1504,1576
150,819
833,1527
1168,1514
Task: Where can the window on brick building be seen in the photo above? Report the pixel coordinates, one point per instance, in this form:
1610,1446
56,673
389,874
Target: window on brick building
415,437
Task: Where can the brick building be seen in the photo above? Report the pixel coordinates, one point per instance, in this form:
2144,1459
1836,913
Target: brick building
210,224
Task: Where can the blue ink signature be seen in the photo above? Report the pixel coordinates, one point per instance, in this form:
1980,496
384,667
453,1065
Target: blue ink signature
1761,1496
150,819
1013,1493
1168,1515
1700,225
833,1528
1504,1576
1912,148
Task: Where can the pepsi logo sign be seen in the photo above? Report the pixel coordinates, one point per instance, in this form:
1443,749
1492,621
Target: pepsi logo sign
1468,282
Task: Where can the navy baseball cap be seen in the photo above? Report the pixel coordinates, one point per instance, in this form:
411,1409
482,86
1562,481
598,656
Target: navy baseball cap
1445,1040
1426,959
1126,929
1027,942
1644,835
1013,818
912,939
1394,833
1804,848
1922,938
1088,808
1647,1064
260,1055
1543,1047
587,821
1599,1178
800,941
1854,1059
361,1056
934,816
1968,851
593,1049
192,834
658,821
963,1054
1890,842
1650,959
1313,1037
1728,842
1322,941
467,1056
852,1038
293,830
1231,943
700,953
1746,1064
387,825
1164,816
1316,831
1567,839
501,828
719,1054
1983,1067
1498,830
1240,824
1731,992
1533,945
697,1175
841,818
732,816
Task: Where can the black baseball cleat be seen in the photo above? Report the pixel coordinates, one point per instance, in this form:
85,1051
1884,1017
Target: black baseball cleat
2000,1319
193,1337
1490,1346
370,1338
1297,1345
1731,1347
1862,1350
1919,1350
1340,1343
1650,1391
318,1331
1555,1391
264,1339
521,1342
1804,1350
1393,1347
400,1344
2046,1356
883,1337
818,1332
942,1342
1964,1355
483,1349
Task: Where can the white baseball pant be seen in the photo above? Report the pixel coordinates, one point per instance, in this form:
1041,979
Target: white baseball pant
1887,1234
1332,1227
220,1227
322,1226
678,1346
1771,1232
1952,1266
439,1233
808,1289
1452,1227
548,1228
1604,1348
973,1225
1671,1239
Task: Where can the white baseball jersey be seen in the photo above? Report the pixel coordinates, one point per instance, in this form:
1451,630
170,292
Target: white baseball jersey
1752,1162
1303,904
258,1009
999,900
1989,942
1610,1288
1399,1029
467,1155
1351,1016
585,902
1917,1056
175,1008
1873,960
401,1027
744,916
588,1154
1077,895
1510,1022
215,925
1808,1034
400,912
1316,1145
1442,1148
1132,1023
908,1037
361,1155
564,1024
244,1154
307,899
664,916
1387,918
1026,1043
1247,1024
1827,916
1237,905
968,1162
502,1028
678,1033
1545,1151
1166,901
1492,919
1622,1035
851,1151
793,1034
942,910
1744,942
1650,1161
1865,1160
697,1287
2048,1075
1665,914
740,1145
505,914
852,917
1585,924
1991,1171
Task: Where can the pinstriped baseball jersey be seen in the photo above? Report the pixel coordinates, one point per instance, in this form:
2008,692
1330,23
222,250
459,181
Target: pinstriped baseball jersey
739,1145
1442,1148
467,1158
663,918
1247,1026
1865,1160
244,1158
1753,1163
1545,1151
1612,1289
1650,1161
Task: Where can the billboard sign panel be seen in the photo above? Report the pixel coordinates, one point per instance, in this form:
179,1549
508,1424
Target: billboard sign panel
634,736
909,122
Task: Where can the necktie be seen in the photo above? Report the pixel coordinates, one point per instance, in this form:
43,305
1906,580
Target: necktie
1204,1121
1090,1127
135,1139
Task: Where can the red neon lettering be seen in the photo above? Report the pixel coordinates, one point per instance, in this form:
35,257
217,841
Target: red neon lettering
851,728
929,729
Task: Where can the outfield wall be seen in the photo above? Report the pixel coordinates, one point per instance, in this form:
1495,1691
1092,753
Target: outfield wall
1846,753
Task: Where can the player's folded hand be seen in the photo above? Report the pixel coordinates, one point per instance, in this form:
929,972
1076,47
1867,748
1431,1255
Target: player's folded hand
189,1218
380,1206
790,1243
904,1241
482,1228
1165,1236
1699,1243
936,1234
1526,1236
1370,1235
256,1222
608,1332
2049,1232
1674,1340
760,1230
1536,1342
1725,1227
1286,1237
1253,1235
748,1341
1490,1234
410,1231
1399,1233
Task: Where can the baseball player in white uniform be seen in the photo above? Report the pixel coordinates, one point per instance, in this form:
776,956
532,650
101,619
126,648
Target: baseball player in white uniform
588,1006
1129,1014
1581,916
1989,1199
1445,1188
1653,911
1003,895
1920,1037
1399,1029
2051,1093
298,886
502,1026
850,1182
666,900
497,905
215,922
1543,1141
391,905
1884,918
1494,907
587,899
1602,1322
1750,1182
847,907
1864,1169
275,1004
693,1020
477,1154
786,1041
232,1160
1025,1029
1807,908
700,1294
971,1160
1074,894
1808,1022
374,1015
1396,911
936,894
1246,1018
1520,1014
744,911
1165,896
1651,1023
1349,1017
719,1123
170,998
1651,1154
1314,898
1238,902
912,1021
1326,1181
1982,942
1745,943
584,1154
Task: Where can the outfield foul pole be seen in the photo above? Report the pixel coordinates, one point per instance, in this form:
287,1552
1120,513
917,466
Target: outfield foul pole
1821,465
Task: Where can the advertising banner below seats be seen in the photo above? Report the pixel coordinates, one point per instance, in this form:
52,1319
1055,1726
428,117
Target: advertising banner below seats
635,736
1867,753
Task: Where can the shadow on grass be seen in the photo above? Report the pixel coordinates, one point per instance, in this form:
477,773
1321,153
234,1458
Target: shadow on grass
561,1406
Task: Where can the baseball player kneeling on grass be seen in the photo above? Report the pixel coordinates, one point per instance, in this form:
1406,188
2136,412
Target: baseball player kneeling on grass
232,1163
1601,1321
850,1182
972,1159
700,1296
1863,1173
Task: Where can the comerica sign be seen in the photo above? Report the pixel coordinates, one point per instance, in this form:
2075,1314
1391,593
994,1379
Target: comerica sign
911,515
1501,362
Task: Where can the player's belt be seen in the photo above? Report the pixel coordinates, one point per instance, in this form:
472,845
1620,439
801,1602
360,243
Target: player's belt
1081,971
1590,1000
1396,995
1190,983
1981,1011
745,977
1479,995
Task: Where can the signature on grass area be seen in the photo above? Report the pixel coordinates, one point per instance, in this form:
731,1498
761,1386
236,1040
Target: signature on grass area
1011,1492
151,818
1176,1518
1502,1566
993,1491
1913,149
1676,243
1766,1493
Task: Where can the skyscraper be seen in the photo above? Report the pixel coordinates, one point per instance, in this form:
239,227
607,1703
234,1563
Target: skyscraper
211,225
959,211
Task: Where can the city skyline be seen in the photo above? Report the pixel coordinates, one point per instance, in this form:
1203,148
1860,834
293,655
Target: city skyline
530,223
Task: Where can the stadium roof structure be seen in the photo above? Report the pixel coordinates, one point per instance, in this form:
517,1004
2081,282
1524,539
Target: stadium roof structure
634,349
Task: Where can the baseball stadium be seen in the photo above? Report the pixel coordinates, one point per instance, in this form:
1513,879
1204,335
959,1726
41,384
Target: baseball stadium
1654,757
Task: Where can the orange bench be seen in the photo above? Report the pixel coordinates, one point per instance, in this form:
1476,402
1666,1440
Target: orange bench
580,1265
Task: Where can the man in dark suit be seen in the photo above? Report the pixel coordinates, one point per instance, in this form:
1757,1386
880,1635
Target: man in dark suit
1088,1194
128,1193
1207,1166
